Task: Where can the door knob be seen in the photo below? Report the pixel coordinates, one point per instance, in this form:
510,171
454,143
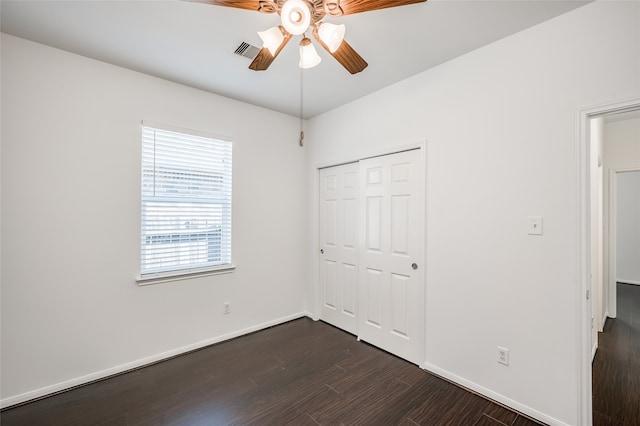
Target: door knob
321,251
414,266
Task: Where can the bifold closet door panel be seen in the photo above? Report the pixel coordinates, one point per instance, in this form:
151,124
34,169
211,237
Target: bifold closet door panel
339,246
391,285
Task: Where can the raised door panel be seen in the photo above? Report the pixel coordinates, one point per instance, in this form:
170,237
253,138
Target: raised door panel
349,289
350,237
400,225
400,305
329,284
373,224
330,214
373,296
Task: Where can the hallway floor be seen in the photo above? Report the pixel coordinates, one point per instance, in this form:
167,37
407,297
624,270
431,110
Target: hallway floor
616,367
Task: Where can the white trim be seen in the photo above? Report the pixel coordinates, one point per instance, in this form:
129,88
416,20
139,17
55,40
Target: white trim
315,245
149,279
581,210
122,368
610,256
624,281
626,170
424,146
524,409
194,132
373,153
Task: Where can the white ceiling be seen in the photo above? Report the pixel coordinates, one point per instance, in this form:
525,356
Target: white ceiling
193,43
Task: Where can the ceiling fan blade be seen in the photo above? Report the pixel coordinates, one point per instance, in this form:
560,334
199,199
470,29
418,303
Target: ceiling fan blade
349,58
345,54
264,58
265,6
349,7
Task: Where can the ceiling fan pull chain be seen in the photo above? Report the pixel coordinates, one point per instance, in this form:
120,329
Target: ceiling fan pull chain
301,141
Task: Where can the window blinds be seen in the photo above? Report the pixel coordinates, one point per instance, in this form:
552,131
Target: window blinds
186,202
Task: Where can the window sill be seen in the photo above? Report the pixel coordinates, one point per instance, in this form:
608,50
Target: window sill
182,275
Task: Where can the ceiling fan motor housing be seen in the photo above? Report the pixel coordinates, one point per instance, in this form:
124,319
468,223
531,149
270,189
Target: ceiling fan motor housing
318,8
296,16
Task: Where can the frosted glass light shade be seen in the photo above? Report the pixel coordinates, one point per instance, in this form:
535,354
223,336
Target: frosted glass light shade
295,16
309,58
272,39
331,35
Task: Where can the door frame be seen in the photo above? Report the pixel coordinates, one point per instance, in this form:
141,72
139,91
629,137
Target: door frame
314,304
582,208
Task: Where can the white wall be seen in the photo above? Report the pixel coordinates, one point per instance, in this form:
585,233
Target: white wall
71,309
621,144
628,227
500,125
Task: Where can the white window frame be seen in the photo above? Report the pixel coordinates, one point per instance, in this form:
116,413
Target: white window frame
174,273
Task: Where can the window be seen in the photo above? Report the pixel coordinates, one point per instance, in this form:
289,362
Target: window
186,204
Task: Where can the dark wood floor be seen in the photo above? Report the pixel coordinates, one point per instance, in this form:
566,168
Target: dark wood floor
616,366
299,373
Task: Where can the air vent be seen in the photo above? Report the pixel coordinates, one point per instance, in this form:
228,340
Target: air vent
247,50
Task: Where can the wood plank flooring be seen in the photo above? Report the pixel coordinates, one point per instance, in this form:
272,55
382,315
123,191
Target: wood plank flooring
298,373
616,366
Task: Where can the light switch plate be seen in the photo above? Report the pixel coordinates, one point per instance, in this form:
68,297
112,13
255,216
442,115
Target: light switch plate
535,225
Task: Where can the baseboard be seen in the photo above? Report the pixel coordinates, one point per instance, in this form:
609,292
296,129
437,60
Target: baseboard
623,281
123,368
487,393
604,320
593,350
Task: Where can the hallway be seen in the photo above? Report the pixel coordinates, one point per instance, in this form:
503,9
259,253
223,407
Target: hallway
616,367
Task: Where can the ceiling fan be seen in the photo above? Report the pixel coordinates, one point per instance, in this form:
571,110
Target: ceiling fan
297,17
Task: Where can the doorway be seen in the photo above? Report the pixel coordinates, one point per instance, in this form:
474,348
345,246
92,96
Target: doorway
371,239
615,390
614,154
604,152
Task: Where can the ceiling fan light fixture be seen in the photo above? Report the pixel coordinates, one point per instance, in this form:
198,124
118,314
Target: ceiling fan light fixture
295,16
331,35
272,39
309,58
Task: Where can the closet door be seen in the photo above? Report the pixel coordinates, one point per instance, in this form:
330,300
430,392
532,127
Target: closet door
339,246
391,285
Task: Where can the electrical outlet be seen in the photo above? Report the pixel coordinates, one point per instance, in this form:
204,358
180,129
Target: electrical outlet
227,308
503,355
